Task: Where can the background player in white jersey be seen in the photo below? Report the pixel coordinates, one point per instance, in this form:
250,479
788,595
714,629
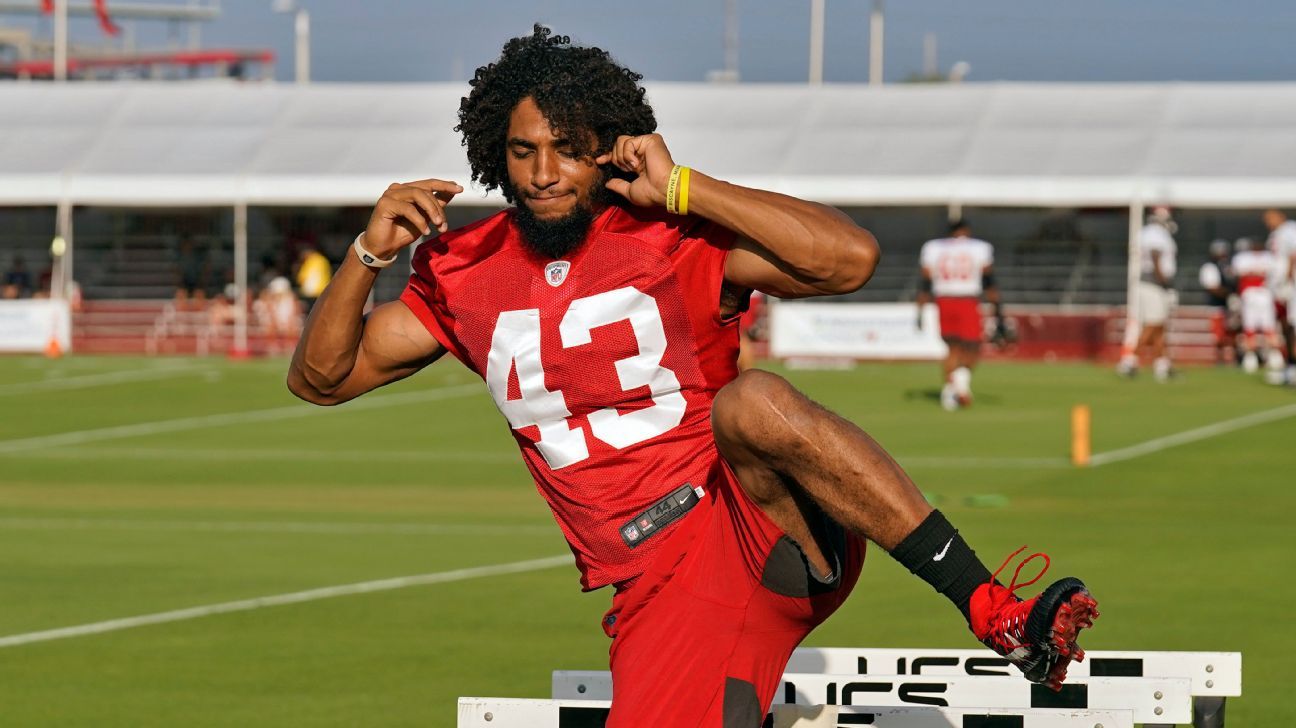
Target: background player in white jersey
957,271
1282,243
1156,295
1254,267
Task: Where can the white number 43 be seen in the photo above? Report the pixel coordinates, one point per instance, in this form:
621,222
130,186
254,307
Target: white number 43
516,343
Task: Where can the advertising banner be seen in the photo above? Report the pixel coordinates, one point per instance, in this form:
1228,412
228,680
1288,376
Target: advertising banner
28,325
854,331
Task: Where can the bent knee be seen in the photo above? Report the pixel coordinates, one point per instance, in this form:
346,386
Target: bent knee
752,407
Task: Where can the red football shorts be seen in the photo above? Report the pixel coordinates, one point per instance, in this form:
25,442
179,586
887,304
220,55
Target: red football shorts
960,318
702,637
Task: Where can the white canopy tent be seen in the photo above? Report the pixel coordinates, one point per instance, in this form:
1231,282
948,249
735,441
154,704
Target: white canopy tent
219,144
212,143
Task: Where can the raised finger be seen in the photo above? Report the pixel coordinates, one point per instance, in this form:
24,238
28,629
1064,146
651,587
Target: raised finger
431,206
613,155
437,185
626,152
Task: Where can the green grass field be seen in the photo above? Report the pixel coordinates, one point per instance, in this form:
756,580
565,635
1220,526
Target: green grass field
137,486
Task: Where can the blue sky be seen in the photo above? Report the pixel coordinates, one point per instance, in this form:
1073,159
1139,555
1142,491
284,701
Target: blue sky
680,40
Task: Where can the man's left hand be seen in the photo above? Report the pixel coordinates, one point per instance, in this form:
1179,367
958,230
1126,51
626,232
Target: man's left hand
647,157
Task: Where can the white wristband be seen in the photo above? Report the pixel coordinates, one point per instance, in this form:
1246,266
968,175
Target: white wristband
370,259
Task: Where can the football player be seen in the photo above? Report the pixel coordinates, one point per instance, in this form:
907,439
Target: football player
729,513
957,271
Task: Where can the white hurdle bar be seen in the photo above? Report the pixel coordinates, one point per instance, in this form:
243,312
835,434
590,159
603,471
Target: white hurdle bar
1214,675
1153,701
518,713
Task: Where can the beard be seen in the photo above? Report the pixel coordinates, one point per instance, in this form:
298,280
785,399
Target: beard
554,239
557,238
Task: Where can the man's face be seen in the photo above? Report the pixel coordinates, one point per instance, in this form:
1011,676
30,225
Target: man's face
558,192
1274,218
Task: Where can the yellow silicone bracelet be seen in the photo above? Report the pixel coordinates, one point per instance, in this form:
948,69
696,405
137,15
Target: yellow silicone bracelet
682,204
672,190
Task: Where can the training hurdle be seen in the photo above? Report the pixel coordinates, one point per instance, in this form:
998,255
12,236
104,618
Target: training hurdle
1215,676
518,713
1153,701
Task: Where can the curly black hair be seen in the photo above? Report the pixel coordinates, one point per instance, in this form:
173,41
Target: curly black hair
579,90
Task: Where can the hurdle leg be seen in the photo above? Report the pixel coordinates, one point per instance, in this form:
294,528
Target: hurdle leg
1208,712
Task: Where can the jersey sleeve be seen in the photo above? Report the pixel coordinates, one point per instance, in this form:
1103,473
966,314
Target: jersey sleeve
703,250
927,255
423,296
1286,244
987,254
1209,276
1155,239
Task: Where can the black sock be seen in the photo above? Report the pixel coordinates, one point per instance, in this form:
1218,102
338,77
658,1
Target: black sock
939,556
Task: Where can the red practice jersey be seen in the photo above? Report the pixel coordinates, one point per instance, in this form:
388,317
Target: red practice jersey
604,364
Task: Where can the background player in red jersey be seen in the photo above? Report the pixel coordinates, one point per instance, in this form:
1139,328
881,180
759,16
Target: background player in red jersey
728,512
958,270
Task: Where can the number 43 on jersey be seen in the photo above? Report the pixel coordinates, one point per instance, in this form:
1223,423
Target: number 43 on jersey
515,344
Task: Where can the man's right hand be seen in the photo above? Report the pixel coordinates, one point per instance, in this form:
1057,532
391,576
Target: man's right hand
406,212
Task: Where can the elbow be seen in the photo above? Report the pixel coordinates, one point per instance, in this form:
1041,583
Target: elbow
856,266
299,383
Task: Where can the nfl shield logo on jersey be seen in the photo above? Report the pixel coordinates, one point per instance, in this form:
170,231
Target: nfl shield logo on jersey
556,272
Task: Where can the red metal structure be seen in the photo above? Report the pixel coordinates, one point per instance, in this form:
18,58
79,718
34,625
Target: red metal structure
190,59
224,62
101,10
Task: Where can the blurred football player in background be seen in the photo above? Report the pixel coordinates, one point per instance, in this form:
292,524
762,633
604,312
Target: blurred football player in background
1216,276
1254,266
1157,297
957,271
1282,243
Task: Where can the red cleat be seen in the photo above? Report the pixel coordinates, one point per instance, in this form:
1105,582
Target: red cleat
1037,635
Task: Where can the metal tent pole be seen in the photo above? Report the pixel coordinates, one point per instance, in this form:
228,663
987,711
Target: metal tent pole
60,40
1132,329
816,41
876,39
301,24
240,348
61,280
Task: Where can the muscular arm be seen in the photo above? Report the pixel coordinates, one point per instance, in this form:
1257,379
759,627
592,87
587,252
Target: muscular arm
787,247
341,355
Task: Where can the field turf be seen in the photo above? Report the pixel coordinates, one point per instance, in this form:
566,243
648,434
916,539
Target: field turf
133,487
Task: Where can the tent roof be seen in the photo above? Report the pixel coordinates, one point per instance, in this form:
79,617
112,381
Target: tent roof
1206,145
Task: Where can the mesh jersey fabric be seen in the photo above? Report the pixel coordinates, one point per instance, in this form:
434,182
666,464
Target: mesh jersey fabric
610,403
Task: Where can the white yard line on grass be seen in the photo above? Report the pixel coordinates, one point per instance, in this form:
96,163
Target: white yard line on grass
95,380
320,527
244,605
246,454
979,462
1187,436
230,418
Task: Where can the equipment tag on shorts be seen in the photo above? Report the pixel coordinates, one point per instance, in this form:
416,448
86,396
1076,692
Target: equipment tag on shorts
663,512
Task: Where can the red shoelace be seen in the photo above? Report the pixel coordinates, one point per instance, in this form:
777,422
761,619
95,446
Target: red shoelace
1011,616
